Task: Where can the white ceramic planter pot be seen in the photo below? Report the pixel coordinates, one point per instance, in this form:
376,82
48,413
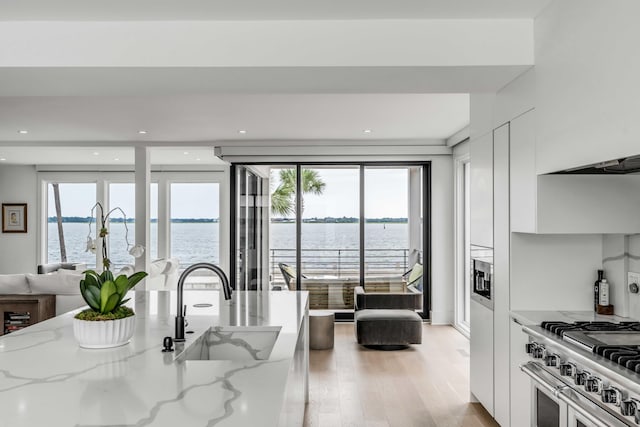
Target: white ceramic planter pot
105,333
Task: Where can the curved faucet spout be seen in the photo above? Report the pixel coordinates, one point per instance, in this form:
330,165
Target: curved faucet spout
226,288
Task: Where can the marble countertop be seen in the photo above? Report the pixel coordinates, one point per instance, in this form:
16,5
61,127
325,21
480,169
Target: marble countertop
535,317
47,380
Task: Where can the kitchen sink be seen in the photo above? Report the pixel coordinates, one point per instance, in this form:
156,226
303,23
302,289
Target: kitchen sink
233,343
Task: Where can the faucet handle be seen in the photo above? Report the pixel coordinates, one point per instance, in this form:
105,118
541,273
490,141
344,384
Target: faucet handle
184,311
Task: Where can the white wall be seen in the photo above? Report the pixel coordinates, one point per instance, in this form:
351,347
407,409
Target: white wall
554,272
442,248
18,250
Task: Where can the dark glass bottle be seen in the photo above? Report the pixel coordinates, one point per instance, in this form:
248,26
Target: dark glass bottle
596,289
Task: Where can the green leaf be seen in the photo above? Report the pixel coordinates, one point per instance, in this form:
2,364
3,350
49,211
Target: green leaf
111,304
122,284
106,292
92,278
92,297
106,276
135,278
122,302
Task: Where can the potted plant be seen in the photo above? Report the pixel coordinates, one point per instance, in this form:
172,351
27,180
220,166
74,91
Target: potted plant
107,322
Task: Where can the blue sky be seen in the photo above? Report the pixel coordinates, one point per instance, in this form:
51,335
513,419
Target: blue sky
386,196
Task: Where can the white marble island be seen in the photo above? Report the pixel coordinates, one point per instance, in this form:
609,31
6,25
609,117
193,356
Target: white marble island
47,380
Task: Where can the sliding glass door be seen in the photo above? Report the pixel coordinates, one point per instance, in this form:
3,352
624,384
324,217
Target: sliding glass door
332,227
330,235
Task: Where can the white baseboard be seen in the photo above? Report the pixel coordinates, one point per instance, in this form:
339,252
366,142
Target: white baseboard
442,317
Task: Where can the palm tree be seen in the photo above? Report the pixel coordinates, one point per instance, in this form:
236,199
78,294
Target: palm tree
283,197
56,198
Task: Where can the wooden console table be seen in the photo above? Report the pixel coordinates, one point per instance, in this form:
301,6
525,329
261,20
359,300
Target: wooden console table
20,311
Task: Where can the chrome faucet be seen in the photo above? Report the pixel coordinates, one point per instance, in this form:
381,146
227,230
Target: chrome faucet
226,288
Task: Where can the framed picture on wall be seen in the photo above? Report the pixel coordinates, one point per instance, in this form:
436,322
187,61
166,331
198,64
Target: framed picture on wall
14,217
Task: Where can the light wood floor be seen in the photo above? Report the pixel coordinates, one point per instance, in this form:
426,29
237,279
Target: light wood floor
425,385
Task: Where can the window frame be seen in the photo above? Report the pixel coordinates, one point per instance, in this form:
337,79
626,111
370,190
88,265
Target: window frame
163,179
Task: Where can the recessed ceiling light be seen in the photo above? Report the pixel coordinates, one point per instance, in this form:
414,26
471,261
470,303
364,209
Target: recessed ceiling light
367,131
116,159
23,131
2,159
198,159
142,132
95,153
242,131
185,153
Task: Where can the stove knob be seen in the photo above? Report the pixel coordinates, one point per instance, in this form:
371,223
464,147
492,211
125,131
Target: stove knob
538,352
568,369
593,385
629,407
552,360
581,377
530,346
612,395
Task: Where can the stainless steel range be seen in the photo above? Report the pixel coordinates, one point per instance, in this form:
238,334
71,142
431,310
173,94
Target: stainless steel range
584,373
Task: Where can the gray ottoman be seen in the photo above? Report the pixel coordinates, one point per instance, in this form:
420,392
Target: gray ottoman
321,325
388,328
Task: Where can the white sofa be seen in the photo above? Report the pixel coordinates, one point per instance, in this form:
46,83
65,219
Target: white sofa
64,284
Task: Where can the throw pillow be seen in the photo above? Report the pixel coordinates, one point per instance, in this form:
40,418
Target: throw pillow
55,283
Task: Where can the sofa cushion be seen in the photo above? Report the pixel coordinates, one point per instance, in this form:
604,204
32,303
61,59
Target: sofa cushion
14,284
67,283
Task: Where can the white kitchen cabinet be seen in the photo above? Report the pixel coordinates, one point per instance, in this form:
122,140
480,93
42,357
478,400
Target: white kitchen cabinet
481,184
520,387
500,284
481,354
523,176
566,204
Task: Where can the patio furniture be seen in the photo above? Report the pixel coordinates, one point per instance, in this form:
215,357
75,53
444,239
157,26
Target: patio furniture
289,275
387,320
321,325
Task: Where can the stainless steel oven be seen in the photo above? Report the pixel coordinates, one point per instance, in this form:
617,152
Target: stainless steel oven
483,278
556,403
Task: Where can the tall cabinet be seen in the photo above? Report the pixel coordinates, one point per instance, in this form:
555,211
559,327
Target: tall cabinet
481,340
491,227
501,240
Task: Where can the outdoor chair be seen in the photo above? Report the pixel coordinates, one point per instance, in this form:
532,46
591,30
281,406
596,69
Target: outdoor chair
413,277
289,274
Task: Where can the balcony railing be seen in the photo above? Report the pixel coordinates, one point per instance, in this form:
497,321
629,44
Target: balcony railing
341,262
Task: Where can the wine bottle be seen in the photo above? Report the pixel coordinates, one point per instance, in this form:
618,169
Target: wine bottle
596,290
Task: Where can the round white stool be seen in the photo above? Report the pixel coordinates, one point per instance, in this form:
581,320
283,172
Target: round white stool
321,325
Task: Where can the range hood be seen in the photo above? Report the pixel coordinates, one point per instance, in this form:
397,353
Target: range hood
621,166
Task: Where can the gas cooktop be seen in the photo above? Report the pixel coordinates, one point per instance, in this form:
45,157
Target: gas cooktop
618,342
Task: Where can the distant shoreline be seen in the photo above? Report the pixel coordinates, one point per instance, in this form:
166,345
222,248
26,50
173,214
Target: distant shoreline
326,220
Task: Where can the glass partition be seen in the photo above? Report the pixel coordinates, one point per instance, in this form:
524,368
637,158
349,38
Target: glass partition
330,254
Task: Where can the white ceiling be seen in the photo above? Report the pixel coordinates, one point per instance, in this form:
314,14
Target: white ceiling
182,119
266,9
69,116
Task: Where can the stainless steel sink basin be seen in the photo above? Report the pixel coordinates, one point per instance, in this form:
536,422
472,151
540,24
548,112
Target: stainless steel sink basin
233,343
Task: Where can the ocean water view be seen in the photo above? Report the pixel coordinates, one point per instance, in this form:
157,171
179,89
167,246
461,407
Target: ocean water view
325,246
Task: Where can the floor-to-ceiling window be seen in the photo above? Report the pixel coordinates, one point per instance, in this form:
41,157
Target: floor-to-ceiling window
330,235
334,226
388,253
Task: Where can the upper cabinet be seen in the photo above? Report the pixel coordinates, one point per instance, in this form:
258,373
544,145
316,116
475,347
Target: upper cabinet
481,184
588,96
566,204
